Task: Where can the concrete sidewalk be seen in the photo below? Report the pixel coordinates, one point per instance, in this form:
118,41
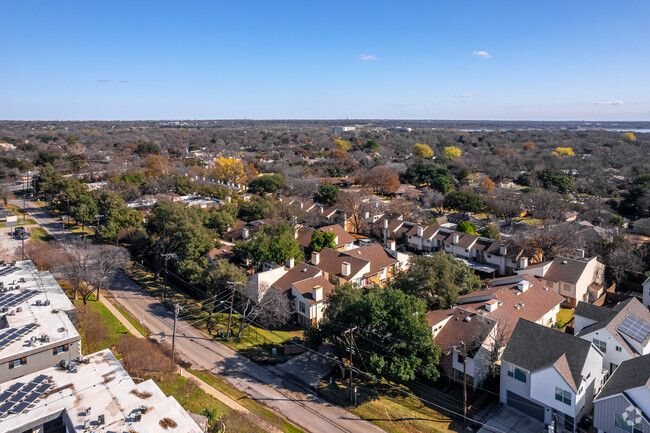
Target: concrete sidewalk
109,305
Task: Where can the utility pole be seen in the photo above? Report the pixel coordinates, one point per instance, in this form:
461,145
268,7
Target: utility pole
232,285
351,331
22,239
177,309
166,256
24,209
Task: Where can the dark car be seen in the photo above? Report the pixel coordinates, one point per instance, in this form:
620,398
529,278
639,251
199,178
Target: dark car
21,233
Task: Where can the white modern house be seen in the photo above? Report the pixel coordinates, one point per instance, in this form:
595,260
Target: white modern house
620,333
548,374
623,405
646,293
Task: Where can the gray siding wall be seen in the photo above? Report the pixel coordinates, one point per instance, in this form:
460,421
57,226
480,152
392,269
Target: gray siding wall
604,411
39,361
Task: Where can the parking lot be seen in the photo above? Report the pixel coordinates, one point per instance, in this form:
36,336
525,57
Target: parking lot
9,244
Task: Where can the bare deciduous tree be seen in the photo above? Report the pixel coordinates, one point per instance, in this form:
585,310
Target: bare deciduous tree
272,310
544,243
6,194
494,336
432,199
621,262
355,205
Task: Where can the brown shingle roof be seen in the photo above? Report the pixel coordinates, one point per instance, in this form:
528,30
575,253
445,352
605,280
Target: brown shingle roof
304,236
457,329
343,236
305,288
566,270
331,262
300,272
376,255
536,301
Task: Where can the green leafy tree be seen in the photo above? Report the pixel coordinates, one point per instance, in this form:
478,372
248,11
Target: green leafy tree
467,227
392,337
555,181
84,210
218,280
146,148
223,219
274,244
437,279
327,194
372,145
637,199
437,178
269,183
320,240
116,216
464,201
490,231
49,182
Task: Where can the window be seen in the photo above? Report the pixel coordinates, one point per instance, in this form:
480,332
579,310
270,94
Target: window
601,345
626,423
461,358
18,362
303,309
517,373
618,348
60,349
562,395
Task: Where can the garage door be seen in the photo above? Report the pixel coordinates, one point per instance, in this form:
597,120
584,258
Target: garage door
526,406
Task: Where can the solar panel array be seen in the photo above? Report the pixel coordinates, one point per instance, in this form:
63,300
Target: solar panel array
8,270
635,328
21,396
12,334
10,300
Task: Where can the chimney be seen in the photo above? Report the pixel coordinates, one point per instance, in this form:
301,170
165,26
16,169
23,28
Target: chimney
580,253
503,250
345,269
391,245
385,223
315,258
244,233
366,215
523,262
419,231
492,305
321,209
301,205
455,238
290,262
317,293
523,285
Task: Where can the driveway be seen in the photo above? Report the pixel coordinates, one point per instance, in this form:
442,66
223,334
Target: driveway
508,420
309,367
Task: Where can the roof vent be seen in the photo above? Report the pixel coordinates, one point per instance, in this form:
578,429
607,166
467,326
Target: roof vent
39,302
517,292
137,416
467,319
87,424
101,419
517,306
564,262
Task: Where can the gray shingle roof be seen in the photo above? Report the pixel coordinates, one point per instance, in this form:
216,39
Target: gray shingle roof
566,270
594,312
630,374
534,346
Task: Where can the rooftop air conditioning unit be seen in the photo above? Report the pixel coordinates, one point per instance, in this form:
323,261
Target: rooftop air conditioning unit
19,309
47,302
101,419
137,416
39,302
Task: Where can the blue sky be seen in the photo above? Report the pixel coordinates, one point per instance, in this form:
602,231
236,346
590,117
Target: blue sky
280,59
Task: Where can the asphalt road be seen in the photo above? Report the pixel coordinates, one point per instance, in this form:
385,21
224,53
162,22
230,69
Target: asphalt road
270,386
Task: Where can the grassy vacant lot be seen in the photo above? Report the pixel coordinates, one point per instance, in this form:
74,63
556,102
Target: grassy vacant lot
241,398
98,328
38,235
136,323
563,317
390,409
255,342
189,395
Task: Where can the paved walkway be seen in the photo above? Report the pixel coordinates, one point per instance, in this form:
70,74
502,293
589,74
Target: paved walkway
109,305
223,398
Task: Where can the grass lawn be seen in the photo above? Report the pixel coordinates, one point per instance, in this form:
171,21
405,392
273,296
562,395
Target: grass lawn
563,317
255,342
38,235
390,410
98,328
530,221
136,323
189,395
241,398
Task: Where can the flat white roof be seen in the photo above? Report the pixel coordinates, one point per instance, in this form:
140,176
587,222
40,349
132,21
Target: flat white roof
100,386
22,288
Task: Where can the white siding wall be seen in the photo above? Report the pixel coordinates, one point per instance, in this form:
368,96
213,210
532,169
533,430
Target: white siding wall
611,356
542,386
581,323
511,384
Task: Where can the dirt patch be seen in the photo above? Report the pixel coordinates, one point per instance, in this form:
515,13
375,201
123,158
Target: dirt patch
167,423
141,394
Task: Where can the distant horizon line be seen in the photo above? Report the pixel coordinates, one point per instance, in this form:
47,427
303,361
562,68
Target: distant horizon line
295,119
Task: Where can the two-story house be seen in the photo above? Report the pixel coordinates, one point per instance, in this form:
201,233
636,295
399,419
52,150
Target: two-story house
310,299
623,405
577,279
362,266
548,374
497,308
342,240
620,333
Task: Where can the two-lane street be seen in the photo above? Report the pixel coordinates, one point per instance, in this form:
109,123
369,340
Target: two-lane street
295,402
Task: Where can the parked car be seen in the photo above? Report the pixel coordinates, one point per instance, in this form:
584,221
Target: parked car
21,233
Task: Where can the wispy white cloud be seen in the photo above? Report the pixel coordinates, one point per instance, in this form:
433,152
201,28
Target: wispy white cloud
124,81
368,57
483,54
103,81
617,102
465,95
